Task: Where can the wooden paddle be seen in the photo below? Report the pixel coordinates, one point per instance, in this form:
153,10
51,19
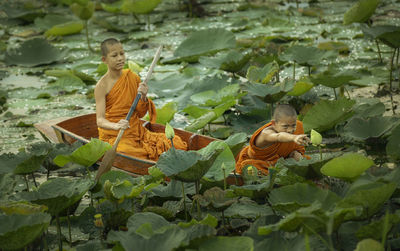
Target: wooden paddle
110,155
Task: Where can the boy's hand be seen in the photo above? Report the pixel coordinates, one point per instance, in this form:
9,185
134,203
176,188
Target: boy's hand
301,139
142,89
122,124
295,155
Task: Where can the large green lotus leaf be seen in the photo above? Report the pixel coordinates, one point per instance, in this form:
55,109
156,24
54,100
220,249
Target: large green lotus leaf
236,142
21,208
68,83
326,114
368,81
83,11
360,129
30,165
114,7
169,86
393,145
209,220
360,11
270,93
169,239
231,61
201,121
253,191
388,34
9,161
308,168
224,160
262,75
215,198
34,52
369,245
248,209
369,108
305,55
292,197
139,6
166,113
64,29
204,42
7,185
370,197
138,219
375,228
302,86
58,194
348,166
85,155
173,190
17,231
314,217
51,20
237,243
14,11
187,166
333,79
125,189
340,47
195,111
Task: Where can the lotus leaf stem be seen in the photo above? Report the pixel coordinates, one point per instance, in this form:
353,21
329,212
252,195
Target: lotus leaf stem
26,182
87,36
69,226
184,201
197,185
379,50
309,70
172,143
223,170
223,218
320,152
390,81
34,180
334,91
236,180
136,17
294,70
148,22
348,94
59,233
319,236
45,246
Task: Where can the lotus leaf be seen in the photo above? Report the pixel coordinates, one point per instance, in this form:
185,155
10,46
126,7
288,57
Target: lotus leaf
370,197
139,6
164,212
26,14
369,109
334,79
195,111
360,129
231,61
209,220
7,185
360,12
368,80
305,55
17,231
270,93
340,47
85,155
370,245
247,209
173,189
83,11
204,42
30,165
388,34
375,229
58,194
21,208
34,52
201,121
51,20
238,243
348,166
215,198
114,7
236,142
316,138
326,114
393,145
262,75
156,221
120,190
65,29
166,113
302,86
292,197
187,166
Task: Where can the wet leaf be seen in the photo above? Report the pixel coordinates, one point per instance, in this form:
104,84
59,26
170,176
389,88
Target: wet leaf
305,55
360,129
34,52
65,29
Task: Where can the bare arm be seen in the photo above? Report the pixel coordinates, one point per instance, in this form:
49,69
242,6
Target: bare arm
269,137
100,97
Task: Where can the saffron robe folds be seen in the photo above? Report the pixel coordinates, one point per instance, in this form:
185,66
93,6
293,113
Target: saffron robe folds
137,140
262,158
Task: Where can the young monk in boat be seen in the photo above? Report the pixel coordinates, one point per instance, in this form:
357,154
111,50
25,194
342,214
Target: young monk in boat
114,95
282,137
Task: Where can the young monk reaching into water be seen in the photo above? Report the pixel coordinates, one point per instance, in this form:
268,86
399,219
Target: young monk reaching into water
282,137
114,95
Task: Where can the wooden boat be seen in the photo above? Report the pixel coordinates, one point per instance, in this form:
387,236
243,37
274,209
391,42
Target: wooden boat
83,128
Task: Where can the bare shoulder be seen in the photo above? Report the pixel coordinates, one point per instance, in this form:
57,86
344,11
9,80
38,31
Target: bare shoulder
103,86
268,131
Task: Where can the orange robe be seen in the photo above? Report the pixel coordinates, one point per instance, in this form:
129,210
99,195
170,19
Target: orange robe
137,140
262,158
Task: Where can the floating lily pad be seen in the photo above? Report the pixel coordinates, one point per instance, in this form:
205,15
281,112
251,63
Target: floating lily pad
305,55
17,230
360,11
34,52
326,114
361,129
348,166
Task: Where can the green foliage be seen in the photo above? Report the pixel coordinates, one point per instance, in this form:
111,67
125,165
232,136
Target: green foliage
360,129
65,29
360,12
262,75
139,6
392,147
83,10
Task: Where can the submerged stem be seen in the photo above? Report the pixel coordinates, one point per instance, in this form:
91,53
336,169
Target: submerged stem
59,233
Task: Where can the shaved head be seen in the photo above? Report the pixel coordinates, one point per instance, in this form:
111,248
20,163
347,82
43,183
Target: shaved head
284,111
106,43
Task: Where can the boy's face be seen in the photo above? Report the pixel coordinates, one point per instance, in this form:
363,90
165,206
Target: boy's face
115,58
285,124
